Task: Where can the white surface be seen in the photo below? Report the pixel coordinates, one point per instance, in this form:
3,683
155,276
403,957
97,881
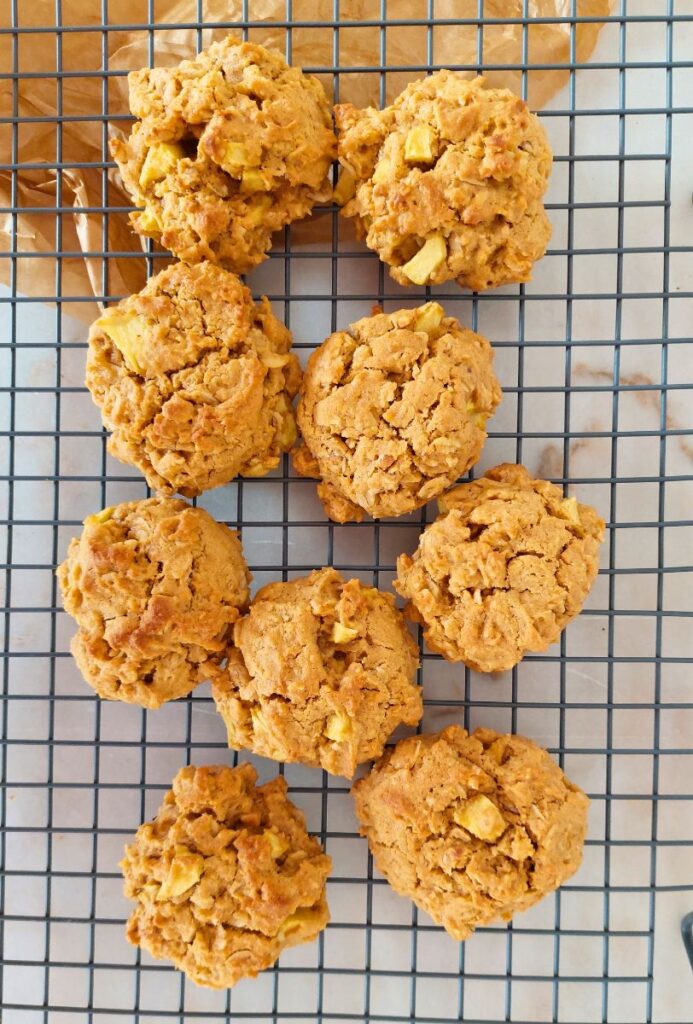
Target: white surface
88,829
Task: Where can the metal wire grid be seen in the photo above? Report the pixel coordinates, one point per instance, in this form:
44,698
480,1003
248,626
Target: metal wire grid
79,775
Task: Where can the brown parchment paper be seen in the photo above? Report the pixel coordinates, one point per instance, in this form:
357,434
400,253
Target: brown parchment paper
83,232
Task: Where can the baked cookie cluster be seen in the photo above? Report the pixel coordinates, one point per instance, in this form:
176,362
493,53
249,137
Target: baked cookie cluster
471,828
155,587
227,149
321,671
225,877
393,410
447,183
195,381
504,568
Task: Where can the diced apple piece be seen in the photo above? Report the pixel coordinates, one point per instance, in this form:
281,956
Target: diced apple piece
259,723
476,415
428,317
382,172
498,750
235,158
286,435
257,208
185,870
275,360
148,220
342,634
418,145
285,423
428,259
125,331
278,844
345,188
160,160
569,508
481,817
338,727
99,517
253,181
256,469
300,920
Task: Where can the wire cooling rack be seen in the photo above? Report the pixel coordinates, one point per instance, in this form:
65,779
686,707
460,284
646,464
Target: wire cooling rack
594,358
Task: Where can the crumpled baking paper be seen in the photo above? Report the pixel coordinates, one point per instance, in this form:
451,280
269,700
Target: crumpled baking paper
81,231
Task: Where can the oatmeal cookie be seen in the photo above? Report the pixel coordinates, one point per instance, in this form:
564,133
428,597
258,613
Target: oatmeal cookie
155,587
228,148
471,828
321,672
507,564
393,410
447,183
225,877
194,380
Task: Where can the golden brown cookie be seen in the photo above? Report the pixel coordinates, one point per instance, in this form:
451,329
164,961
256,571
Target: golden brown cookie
447,183
471,828
393,410
155,587
507,564
194,380
321,672
225,877
228,148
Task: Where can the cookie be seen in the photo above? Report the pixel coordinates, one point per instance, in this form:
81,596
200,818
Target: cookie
225,877
507,564
393,410
447,183
155,587
321,672
228,148
472,828
194,380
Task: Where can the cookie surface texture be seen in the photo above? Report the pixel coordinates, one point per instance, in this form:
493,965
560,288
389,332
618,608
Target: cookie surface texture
194,380
447,183
225,877
322,672
473,828
228,148
155,587
504,568
393,410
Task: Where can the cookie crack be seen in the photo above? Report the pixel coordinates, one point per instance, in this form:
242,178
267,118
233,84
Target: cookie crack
400,433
